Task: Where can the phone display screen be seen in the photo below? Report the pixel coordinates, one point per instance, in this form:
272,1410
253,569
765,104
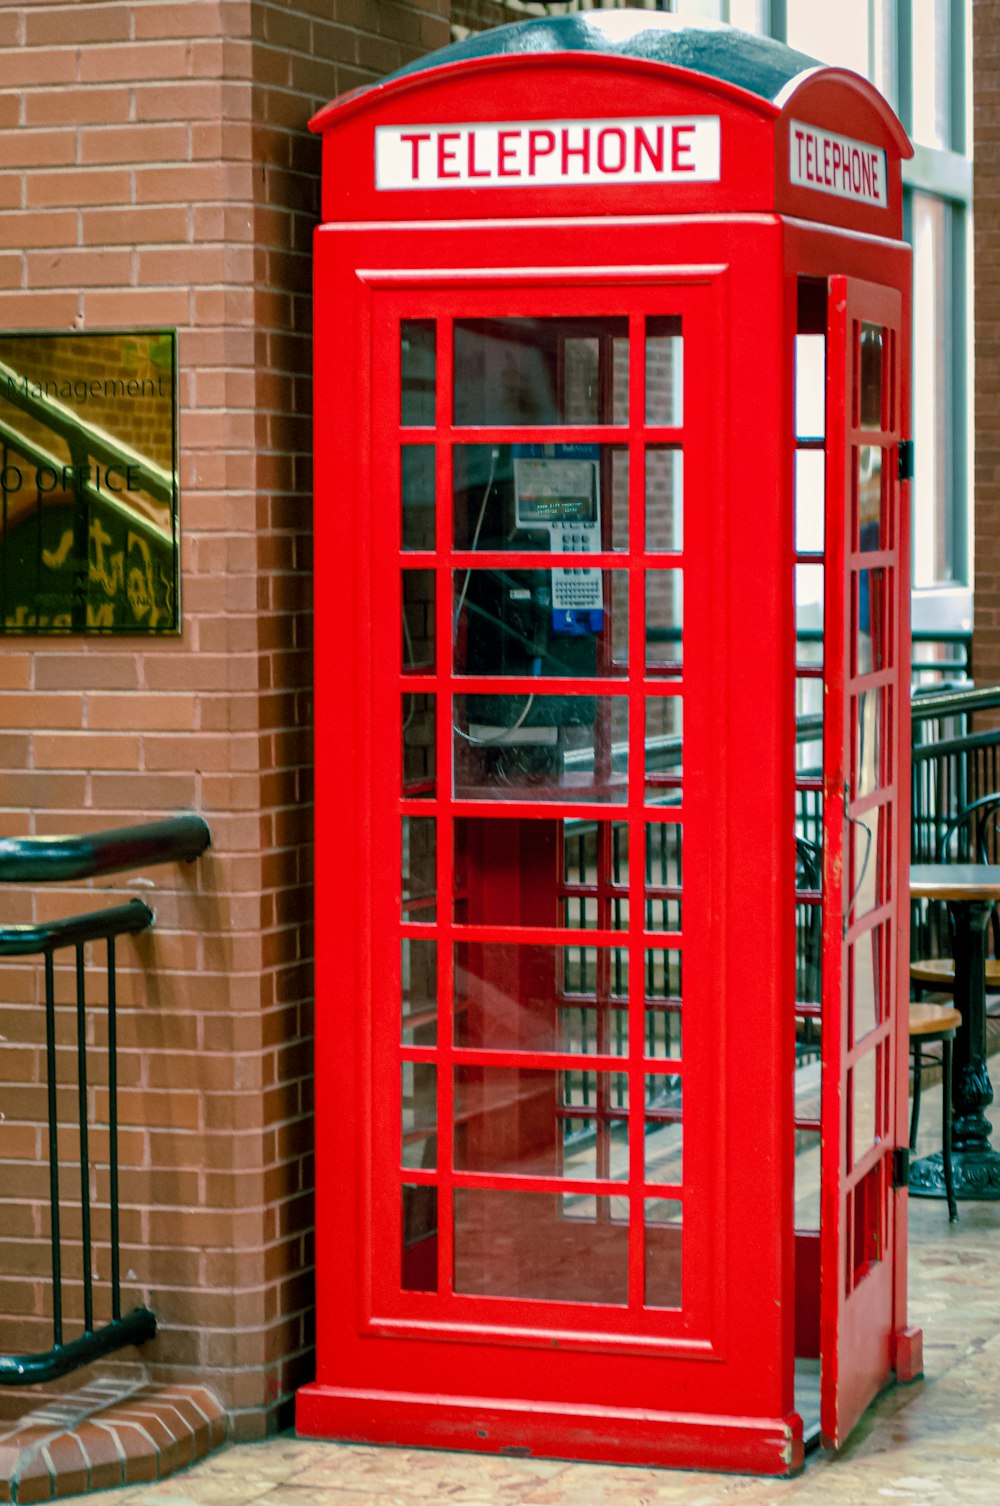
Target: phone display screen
555,490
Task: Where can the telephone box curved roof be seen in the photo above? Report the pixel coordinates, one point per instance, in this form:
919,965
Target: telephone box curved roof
757,64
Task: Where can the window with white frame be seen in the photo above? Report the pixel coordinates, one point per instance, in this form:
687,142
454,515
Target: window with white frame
917,52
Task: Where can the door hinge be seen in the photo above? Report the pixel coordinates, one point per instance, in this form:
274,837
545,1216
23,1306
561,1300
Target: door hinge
900,1167
904,460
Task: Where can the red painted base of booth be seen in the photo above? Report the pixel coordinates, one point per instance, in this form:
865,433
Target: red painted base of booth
608,1435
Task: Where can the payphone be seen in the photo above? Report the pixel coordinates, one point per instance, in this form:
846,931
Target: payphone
581,1191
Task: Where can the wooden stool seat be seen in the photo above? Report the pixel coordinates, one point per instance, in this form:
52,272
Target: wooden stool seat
935,1023
933,1019
939,973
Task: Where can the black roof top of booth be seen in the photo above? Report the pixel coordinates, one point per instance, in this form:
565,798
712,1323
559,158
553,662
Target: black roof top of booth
757,64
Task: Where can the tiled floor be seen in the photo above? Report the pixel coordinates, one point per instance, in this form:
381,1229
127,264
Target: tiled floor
935,1443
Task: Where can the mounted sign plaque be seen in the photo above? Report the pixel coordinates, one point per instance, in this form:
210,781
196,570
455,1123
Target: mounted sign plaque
88,483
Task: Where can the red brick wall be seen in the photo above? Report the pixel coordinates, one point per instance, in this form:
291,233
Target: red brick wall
158,173
986,209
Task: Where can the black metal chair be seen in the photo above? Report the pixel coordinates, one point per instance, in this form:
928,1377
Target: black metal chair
970,836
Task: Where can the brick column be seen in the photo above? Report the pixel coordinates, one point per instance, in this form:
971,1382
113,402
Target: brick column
157,172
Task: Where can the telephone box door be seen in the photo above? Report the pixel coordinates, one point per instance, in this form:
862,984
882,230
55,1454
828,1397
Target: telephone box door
864,1025
547,1152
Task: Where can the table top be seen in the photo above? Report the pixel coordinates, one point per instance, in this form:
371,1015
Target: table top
958,881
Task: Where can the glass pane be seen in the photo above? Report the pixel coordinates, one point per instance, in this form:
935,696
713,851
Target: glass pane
866,863
419,1114
810,386
418,365
664,620
808,613
807,1183
541,747
664,371
541,998
529,1121
419,737
664,749
664,1130
662,985
663,876
594,890
862,1105
867,969
420,1239
931,63
869,741
586,863
541,1246
568,622
418,981
664,1238
871,352
934,560
541,371
833,34
665,498
418,621
810,501
872,640
870,522
417,486
563,498
419,870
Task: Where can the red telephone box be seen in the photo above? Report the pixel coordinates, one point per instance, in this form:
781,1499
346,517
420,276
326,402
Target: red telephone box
612,323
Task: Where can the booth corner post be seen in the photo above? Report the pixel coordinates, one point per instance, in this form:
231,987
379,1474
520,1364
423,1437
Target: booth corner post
612,332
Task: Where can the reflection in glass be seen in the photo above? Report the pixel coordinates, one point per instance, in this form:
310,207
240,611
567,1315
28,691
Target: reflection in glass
533,1245
419,739
664,1138
419,868
663,876
662,985
419,1239
531,1121
870,526
419,1114
418,621
664,620
510,622
872,364
417,482
664,371
665,498
810,386
664,1238
418,983
541,371
540,747
511,997
418,364
810,501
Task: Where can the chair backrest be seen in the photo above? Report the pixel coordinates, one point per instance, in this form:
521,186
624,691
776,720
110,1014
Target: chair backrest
973,836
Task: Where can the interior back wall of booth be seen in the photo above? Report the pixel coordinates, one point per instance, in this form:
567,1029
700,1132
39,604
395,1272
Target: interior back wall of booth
158,173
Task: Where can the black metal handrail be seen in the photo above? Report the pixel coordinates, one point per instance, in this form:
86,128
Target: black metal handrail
53,859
